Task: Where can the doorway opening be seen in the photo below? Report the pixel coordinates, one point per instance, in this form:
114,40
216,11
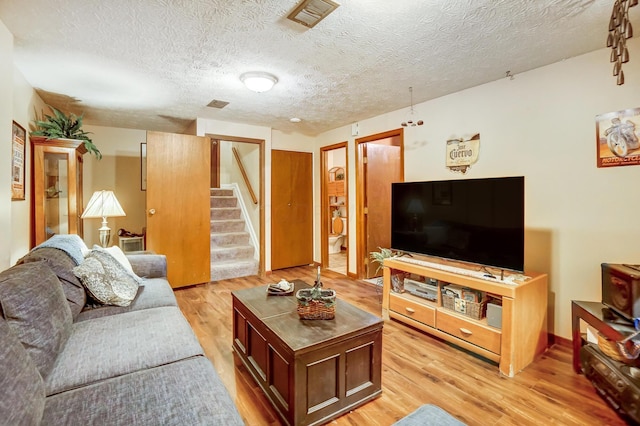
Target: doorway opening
379,162
237,165
334,206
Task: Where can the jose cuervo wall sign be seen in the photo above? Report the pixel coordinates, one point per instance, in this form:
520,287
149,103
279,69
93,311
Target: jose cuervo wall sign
462,153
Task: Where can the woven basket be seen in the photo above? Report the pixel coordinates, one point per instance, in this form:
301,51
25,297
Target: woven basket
471,309
322,308
609,348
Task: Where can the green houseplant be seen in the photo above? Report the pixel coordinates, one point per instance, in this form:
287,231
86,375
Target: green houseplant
62,126
397,277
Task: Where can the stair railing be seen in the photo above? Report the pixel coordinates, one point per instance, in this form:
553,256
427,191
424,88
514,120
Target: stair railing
244,175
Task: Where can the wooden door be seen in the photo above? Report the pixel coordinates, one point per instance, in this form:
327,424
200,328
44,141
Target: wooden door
382,166
178,205
291,209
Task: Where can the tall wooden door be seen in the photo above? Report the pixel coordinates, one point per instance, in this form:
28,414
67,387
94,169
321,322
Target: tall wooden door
178,205
291,209
382,166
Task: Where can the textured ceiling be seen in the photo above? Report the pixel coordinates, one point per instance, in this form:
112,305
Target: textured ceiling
156,64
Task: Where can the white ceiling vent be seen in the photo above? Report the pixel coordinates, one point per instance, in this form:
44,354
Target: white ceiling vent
310,12
217,104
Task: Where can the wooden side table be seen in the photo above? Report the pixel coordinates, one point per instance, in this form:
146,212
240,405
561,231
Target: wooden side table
597,315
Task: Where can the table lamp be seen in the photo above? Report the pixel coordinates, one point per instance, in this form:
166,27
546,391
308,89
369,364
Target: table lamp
103,204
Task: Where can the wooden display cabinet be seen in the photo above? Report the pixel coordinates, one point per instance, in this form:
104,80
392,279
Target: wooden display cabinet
523,333
56,182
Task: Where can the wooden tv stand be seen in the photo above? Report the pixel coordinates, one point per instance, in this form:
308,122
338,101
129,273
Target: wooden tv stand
523,334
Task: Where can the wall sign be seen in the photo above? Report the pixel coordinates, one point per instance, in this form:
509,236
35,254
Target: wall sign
462,153
617,141
19,137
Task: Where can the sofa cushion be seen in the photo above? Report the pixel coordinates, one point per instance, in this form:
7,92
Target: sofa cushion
111,346
36,310
21,386
62,265
187,392
106,280
153,293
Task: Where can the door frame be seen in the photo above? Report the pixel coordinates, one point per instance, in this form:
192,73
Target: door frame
361,217
324,204
261,143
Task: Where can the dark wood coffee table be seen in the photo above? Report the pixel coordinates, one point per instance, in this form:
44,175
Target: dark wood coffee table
311,370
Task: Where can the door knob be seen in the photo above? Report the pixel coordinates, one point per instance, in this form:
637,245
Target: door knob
152,211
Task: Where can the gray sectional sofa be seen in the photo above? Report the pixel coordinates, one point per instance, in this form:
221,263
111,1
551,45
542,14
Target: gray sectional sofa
67,361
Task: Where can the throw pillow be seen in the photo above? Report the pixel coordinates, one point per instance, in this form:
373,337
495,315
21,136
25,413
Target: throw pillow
106,280
119,255
36,311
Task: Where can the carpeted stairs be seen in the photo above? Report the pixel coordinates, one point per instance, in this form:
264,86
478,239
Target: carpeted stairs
231,249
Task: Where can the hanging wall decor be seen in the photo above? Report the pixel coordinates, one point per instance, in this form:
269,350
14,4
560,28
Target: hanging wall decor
17,161
462,153
620,30
617,141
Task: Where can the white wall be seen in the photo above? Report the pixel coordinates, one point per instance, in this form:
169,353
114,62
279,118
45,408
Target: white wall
6,118
540,125
118,171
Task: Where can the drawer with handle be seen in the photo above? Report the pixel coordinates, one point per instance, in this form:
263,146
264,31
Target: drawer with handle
473,332
422,313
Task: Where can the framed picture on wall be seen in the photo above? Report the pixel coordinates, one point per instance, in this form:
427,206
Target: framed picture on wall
617,142
19,136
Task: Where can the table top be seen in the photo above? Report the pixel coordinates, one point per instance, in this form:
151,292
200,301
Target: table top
279,314
606,317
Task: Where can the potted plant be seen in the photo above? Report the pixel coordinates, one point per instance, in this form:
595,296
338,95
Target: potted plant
397,278
61,126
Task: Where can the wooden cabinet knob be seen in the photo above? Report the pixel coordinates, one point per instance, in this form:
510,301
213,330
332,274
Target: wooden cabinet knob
410,310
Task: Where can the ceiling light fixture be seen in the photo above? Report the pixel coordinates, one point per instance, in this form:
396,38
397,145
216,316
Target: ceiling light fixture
411,122
258,81
619,31
310,12
295,120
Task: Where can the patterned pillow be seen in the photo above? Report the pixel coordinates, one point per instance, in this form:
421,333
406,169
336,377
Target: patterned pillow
106,280
117,253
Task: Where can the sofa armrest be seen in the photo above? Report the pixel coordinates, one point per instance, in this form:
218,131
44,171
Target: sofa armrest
149,265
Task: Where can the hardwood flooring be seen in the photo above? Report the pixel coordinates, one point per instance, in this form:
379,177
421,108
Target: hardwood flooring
416,368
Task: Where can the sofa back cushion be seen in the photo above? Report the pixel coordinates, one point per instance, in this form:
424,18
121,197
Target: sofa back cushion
36,311
62,265
21,387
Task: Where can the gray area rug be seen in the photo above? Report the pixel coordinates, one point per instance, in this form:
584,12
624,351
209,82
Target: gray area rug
427,415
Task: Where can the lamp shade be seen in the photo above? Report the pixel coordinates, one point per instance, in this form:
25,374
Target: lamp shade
103,204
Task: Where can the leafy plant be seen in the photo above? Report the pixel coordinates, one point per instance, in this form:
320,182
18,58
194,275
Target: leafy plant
61,126
380,256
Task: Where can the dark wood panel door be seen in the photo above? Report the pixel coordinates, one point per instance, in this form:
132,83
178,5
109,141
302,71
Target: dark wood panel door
291,209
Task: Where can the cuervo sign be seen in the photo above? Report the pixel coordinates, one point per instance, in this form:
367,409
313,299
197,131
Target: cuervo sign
462,153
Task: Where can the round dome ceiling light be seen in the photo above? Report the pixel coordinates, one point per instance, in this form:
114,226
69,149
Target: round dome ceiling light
258,81
295,120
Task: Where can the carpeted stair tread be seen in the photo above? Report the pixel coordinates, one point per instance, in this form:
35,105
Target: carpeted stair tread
227,225
236,251
218,192
223,270
222,239
223,201
225,213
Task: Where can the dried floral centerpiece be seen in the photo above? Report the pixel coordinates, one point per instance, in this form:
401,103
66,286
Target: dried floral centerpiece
315,303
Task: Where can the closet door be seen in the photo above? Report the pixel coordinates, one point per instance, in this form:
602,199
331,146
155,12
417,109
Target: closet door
291,209
178,205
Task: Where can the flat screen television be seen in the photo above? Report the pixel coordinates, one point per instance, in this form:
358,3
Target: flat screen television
472,220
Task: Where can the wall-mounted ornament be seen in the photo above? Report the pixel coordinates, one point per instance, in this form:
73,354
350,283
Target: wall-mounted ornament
462,153
617,142
620,30
411,122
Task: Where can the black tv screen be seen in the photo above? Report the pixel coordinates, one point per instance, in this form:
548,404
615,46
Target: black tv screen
473,220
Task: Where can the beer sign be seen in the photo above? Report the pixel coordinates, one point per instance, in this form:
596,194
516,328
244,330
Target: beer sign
461,154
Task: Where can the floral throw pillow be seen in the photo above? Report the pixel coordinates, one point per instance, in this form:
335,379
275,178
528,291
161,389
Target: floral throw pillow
106,280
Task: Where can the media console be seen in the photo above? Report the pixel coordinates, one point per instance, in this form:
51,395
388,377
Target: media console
523,332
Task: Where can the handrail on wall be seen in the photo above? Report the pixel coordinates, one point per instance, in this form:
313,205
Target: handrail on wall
244,175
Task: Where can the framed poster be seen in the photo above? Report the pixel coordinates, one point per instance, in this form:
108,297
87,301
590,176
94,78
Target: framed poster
617,141
19,136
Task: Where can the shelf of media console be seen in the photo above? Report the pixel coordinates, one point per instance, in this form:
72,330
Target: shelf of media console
501,277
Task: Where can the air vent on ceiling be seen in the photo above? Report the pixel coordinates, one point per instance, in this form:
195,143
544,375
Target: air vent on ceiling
310,12
217,104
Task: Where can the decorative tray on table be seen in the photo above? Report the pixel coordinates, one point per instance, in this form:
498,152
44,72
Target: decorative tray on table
282,288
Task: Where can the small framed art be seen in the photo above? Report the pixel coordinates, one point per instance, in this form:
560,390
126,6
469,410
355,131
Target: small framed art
19,136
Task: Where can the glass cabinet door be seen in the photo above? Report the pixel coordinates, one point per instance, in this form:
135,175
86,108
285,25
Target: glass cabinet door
57,188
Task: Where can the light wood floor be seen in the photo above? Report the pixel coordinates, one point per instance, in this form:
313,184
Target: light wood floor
416,369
